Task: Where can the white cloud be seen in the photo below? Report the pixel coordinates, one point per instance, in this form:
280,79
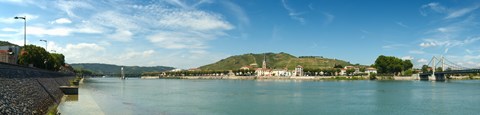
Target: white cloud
292,13
447,42
122,35
433,6
449,12
416,52
196,20
401,24
237,11
9,30
180,40
131,54
407,58
328,18
82,52
428,44
461,12
422,60
11,19
62,21
41,31
393,46
70,5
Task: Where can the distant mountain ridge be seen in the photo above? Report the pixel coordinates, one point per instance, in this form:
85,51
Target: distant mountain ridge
6,43
115,69
274,61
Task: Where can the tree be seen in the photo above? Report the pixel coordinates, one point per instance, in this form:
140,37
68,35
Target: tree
408,72
338,66
407,64
439,69
350,71
391,65
34,55
40,58
362,69
425,68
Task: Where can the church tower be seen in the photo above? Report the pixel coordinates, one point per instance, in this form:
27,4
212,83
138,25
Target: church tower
264,64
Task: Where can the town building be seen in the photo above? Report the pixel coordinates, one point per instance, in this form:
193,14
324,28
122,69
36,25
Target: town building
9,54
263,71
245,68
298,71
370,70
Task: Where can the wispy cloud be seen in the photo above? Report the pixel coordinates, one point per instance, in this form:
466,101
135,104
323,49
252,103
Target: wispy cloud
328,18
292,13
11,19
461,12
62,21
423,61
407,58
401,24
447,43
394,46
434,6
238,11
416,52
450,13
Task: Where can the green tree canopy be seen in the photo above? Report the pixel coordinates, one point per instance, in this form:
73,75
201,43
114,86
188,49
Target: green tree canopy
390,64
40,58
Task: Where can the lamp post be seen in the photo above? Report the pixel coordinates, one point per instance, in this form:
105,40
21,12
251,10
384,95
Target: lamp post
45,44
24,29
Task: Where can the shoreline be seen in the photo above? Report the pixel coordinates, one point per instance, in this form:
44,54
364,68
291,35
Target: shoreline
398,78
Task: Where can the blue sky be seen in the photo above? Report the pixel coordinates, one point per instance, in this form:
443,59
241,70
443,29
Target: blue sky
191,33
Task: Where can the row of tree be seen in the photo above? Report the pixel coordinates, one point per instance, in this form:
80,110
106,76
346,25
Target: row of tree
392,65
40,58
202,73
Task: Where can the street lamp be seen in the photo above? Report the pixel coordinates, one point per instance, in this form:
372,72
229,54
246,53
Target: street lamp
24,29
45,44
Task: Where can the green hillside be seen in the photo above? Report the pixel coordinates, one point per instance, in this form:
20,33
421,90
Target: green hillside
114,69
274,61
6,43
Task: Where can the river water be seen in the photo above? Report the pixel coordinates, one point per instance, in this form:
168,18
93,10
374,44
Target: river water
112,96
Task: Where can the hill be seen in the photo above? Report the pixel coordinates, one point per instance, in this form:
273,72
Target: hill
115,69
274,60
6,43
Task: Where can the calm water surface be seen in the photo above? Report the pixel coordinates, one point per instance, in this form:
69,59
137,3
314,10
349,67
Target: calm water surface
245,97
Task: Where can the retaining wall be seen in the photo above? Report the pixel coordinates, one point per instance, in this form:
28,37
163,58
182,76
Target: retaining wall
25,90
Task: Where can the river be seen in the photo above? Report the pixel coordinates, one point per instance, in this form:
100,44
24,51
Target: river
113,96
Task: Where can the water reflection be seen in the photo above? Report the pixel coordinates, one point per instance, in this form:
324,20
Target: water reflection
162,96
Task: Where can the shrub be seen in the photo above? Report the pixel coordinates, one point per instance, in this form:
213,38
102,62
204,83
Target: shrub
373,76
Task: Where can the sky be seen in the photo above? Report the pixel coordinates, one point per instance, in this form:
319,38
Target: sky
191,33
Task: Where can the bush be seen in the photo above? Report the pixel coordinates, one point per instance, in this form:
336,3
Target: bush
373,76
470,76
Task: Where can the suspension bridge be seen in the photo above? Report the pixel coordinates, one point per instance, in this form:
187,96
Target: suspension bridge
447,68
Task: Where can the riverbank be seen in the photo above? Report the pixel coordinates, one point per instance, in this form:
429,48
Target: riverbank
27,90
413,77
273,77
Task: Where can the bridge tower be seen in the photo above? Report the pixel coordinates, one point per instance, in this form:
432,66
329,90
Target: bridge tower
435,62
443,63
434,66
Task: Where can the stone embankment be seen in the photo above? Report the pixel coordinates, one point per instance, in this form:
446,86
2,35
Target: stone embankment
25,90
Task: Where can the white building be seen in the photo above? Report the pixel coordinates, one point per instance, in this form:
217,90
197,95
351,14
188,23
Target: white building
370,70
298,71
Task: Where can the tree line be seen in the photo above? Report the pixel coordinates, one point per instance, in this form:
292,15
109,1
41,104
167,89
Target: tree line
392,65
202,73
40,58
